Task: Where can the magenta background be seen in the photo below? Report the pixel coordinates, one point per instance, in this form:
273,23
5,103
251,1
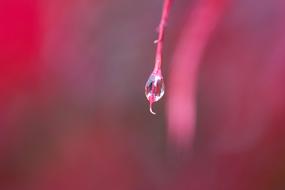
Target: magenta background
73,113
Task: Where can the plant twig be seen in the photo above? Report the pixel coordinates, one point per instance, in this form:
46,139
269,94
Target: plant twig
161,31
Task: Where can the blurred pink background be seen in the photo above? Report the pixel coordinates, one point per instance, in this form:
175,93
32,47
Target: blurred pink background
73,113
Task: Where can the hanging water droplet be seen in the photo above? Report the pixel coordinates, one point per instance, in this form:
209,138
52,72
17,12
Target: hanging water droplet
154,89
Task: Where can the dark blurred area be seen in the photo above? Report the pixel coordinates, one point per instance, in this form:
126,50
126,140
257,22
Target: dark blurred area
73,113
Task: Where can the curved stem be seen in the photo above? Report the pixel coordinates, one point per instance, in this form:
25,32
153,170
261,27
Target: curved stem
161,31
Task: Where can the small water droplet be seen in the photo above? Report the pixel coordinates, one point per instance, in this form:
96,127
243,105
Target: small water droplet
154,89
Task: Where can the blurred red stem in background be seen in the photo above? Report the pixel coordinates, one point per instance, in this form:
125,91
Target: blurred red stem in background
181,103
161,31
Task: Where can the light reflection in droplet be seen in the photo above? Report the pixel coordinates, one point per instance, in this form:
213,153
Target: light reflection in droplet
154,89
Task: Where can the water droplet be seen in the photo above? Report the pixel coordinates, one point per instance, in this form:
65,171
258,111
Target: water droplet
154,89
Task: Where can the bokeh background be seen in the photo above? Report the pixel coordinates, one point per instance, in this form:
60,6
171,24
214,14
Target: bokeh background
73,113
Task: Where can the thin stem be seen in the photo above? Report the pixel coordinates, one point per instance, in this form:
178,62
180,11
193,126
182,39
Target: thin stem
161,31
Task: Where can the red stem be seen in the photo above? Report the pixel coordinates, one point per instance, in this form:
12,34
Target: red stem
161,31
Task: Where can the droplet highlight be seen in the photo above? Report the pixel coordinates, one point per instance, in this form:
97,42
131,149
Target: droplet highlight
154,89
150,108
